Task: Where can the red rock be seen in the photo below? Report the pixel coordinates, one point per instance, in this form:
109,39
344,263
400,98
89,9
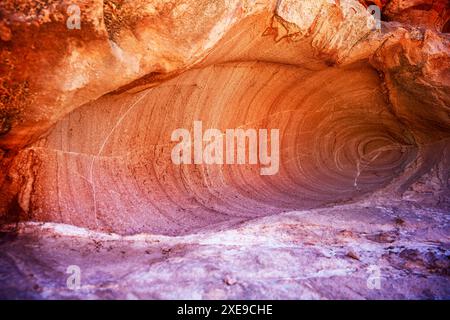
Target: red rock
86,117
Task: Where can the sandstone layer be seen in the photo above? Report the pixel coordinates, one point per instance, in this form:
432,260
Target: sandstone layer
362,105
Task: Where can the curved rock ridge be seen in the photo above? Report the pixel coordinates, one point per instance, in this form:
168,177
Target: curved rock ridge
122,41
87,114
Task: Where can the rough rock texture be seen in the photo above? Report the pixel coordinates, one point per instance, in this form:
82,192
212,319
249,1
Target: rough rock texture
364,116
314,254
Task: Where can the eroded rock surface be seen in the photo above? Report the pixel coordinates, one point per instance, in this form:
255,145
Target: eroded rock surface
86,118
361,251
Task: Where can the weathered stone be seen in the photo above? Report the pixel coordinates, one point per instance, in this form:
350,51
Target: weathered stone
86,116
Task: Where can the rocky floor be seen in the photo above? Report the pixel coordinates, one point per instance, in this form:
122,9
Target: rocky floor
357,204
353,251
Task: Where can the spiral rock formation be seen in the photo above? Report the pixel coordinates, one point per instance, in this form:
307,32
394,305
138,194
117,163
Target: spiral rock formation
87,114
354,108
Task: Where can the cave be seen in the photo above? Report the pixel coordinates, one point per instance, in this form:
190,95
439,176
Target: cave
93,98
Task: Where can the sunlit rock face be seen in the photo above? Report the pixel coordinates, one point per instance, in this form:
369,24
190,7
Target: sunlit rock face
362,108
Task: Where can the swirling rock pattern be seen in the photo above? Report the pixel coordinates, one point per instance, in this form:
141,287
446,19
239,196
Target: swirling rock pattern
115,154
87,115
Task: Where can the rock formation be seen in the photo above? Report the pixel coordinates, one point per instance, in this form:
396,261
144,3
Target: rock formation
90,92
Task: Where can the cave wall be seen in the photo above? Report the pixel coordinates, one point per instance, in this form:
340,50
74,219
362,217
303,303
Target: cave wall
87,113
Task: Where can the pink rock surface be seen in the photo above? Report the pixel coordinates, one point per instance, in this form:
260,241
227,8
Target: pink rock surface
86,117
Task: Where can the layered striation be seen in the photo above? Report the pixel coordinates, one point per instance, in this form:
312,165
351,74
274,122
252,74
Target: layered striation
87,114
